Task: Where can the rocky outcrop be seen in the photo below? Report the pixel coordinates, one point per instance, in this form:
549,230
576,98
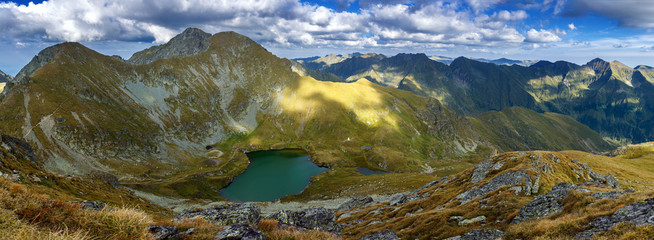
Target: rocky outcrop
640,213
190,42
545,204
240,231
480,234
168,232
44,57
383,235
312,218
17,147
355,203
514,178
483,168
226,214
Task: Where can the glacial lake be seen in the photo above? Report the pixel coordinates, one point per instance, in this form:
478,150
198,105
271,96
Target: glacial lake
272,175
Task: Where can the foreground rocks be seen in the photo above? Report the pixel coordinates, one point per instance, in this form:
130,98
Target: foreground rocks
312,218
545,204
240,231
640,213
225,214
480,234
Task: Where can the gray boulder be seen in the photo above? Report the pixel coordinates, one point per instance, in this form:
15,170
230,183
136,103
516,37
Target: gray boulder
383,235
640,213
225,214
355,203
240,231
398,199
312,218
544,204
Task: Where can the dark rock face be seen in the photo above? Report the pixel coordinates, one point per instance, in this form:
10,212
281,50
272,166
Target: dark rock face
480,234
383,235
355,203
240,231
17,147
312,218
226,214
504,179
640,213
190,42
610,194
544,204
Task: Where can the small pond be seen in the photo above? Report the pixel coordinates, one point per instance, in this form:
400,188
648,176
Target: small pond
368,171
272,175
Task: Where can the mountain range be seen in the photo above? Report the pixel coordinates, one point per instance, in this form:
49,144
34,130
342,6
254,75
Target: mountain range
171,126
182,114
609,97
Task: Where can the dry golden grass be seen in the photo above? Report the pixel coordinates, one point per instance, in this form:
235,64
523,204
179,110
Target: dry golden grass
26,214
274,231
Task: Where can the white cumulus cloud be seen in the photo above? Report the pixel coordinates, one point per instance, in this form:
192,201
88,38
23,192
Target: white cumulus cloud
541,36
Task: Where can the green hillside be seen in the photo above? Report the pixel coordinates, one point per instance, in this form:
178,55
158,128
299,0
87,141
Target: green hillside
609,97
517,128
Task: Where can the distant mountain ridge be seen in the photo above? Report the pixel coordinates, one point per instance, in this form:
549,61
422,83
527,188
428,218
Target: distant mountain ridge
610,97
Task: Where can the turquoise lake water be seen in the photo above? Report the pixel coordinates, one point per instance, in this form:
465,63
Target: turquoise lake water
272,175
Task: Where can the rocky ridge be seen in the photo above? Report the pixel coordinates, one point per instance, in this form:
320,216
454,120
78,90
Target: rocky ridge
486,201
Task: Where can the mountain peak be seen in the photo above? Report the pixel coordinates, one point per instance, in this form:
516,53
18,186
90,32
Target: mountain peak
643,67
190,42
598,65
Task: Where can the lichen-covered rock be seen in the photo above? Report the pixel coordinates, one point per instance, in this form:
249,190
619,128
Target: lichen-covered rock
225,214
240,231
355,203
383,235
544,204
640,213
480,234
504,179
312,218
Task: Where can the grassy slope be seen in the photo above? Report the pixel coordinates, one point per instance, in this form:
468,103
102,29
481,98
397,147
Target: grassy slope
519,128
430,217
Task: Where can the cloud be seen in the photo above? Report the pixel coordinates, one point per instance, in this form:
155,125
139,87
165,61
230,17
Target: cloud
581,43
621,45
572,26
629,13
647,48
542,36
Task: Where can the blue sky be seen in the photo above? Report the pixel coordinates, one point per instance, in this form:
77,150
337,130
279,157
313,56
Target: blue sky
571,30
